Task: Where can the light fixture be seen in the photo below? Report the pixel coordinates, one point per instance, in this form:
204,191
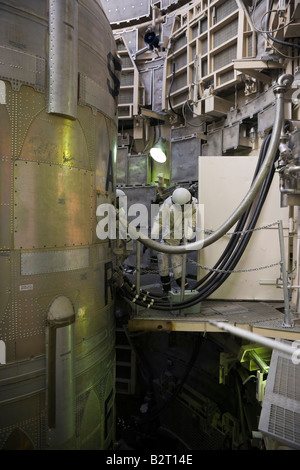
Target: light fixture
151,39
158,151
252,135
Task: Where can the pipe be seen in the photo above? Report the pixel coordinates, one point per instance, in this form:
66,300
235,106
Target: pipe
234,249
156,19
293,169
279,88
138,271
63,58
270,343
183,274
287,319
289,191
278,41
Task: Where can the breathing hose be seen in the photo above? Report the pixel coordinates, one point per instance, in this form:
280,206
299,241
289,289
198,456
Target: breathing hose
262,180
279,88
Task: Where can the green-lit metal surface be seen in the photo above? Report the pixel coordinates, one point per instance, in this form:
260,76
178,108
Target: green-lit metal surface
47,197
54,140
53,175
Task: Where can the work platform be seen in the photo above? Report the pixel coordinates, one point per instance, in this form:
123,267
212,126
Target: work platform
262,318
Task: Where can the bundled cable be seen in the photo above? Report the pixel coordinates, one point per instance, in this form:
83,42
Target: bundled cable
272,38
227,261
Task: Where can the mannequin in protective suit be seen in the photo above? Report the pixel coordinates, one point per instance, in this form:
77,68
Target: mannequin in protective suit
176,219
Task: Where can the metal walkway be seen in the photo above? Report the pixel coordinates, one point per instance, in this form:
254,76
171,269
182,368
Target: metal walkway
262,318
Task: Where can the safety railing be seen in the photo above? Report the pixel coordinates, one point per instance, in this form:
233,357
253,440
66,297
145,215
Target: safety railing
287,323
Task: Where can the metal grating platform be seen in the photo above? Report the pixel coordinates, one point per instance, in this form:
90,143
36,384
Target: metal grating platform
280,416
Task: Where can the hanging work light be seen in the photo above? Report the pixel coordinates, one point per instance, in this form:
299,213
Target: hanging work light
158,151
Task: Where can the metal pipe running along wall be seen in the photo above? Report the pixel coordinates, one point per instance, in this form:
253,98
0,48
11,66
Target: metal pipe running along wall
291,349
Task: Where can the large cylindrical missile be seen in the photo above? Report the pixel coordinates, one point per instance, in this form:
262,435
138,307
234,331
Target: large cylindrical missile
59,80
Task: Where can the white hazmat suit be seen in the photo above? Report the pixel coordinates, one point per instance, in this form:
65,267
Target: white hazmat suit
176,220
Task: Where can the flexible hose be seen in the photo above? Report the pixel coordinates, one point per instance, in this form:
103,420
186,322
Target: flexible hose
230,257
235,248
279,41
283,83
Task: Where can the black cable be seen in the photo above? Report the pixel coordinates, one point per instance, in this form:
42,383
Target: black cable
240,225
228,259
246,237
157,412
279,41
169,92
